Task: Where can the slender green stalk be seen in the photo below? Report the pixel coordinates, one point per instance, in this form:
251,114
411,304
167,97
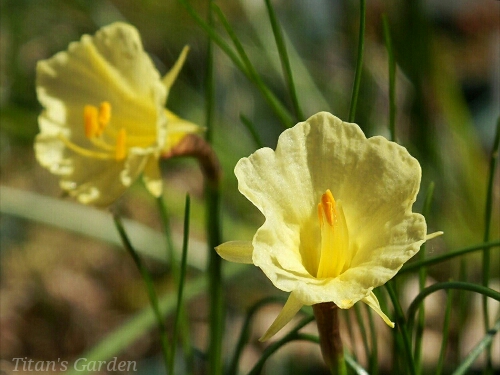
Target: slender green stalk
446,256
373,359
358,369
446,332
285,61
459,285
487,223
162,207
484,344
359,60
403,328
245,331
208,27
422,276
292,335
136,326
350,331
251,128
174,267
182,278
463,302
392,78
254,77
213,227
153,299
362,329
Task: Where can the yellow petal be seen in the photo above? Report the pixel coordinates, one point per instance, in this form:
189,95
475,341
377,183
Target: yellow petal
433,235
377,182
177,129
292,307
236,251
152,177
169,78
372,301
109,67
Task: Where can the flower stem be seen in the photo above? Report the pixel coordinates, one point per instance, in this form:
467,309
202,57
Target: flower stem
327,319
146,276
212,196
179,314
177,276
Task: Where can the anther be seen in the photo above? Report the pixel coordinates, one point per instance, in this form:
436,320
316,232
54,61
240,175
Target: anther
104,115
90,121
121,148
327,208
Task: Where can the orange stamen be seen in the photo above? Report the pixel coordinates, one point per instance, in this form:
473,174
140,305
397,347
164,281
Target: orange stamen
90,121
121,148
104,116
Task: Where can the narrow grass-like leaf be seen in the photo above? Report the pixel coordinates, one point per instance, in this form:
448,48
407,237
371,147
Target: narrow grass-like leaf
446,332
174,267
422,276
143,321
355,366
403,328
153,298
350,331
290,336
359,60
446,256
251,128
459,285
285,61
373,359
362,329
162,207
90,222
216,38
487,223
245,332
281,112
392,78
274,103
182,280
484,344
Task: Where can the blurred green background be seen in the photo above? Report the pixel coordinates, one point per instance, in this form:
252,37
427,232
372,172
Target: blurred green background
64,281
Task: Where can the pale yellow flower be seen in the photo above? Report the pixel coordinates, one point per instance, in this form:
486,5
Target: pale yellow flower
104,121
338,210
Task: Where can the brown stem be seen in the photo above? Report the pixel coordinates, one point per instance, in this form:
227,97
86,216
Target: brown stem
327,319
197,147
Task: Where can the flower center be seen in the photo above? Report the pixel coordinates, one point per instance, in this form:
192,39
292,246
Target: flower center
95,120
334,253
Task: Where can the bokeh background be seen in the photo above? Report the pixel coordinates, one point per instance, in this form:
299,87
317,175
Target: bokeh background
66,283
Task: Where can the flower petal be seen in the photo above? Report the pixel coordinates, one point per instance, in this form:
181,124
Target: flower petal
236,251
292,307
169,78
152,177
372,301
377,182
111,67
178,128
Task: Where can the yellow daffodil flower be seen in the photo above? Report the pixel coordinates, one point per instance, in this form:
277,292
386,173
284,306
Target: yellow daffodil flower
104,121
338,210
